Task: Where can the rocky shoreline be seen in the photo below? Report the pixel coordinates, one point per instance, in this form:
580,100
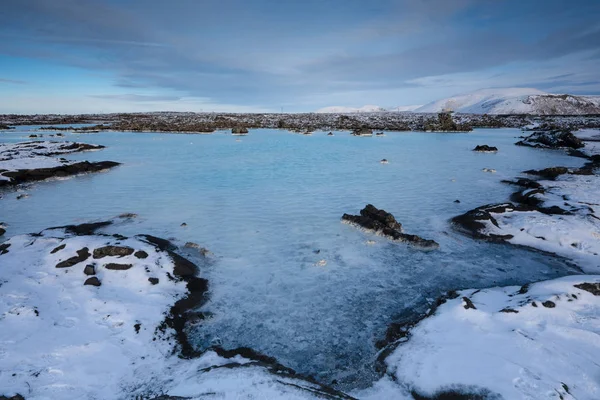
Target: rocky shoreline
36,160
307,122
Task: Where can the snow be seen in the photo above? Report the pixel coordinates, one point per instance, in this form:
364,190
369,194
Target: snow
535,353
575,236
32,155
346,110
515,101
592,140
60,339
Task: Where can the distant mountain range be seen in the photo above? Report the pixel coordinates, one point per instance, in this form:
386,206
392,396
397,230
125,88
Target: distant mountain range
497,101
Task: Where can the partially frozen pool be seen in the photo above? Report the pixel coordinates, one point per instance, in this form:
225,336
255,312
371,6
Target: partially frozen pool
269,206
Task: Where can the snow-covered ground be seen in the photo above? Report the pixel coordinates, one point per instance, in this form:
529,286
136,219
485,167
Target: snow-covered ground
592,140
62,339
36,154
365,109
575,236
540,342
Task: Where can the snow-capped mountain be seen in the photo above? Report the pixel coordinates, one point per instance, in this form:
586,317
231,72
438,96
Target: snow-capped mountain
515,101
365,109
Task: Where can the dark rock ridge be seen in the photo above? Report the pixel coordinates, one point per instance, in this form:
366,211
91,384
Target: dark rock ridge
29,175
82,255
552,139
473,223
485,148
593,288
384,223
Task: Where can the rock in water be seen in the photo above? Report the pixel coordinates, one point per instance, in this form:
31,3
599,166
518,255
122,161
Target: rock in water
552,139
239,130
485,148
384,223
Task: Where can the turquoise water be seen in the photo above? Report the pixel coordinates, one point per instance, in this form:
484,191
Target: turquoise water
268,207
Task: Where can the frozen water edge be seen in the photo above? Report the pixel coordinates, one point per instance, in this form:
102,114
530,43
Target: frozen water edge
61,339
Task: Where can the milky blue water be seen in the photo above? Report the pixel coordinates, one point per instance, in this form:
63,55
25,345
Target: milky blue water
268,207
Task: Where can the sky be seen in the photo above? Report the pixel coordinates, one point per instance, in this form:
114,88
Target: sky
89,56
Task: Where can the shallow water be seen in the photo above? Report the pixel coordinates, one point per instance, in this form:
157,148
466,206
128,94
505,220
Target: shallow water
267,204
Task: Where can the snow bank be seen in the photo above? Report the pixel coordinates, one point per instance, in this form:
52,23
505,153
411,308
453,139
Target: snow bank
37,154
518,343
62,339
575,236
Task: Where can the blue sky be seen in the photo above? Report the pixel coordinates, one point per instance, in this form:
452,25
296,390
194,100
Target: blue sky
77,56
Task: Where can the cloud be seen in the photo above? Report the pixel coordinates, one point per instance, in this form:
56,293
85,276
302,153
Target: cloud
13,81
136,97
271,53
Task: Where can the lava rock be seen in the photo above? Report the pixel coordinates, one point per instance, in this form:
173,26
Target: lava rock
593,288
240,130
118,267
89,270
485,148
58,248
140,254
93,281
113,251
384,223
549,173
82,255
153,281
549,304
472,222
552,139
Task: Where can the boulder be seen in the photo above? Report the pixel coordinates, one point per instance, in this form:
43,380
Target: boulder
362,132
140,254
153,281
89,270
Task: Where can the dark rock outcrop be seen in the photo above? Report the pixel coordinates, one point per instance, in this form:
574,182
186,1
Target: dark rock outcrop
58,248
485,148
30,175
473,222
117,267
82,255
141,254
93,281
362,132
113,251
89,270
240,130
549,173
552,139
384,223
593,288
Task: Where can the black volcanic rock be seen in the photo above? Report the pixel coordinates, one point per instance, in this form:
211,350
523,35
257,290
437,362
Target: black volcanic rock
384,223
28,175
485,148
552,139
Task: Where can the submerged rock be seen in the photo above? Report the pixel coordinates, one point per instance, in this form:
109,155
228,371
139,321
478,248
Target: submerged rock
485,148
384,223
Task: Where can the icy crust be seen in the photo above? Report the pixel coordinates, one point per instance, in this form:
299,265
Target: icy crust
62,339
575,235
536,342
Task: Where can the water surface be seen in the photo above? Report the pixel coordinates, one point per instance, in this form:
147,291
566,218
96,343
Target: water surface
269,205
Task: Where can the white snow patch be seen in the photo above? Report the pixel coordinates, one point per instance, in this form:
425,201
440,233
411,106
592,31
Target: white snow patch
536,353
